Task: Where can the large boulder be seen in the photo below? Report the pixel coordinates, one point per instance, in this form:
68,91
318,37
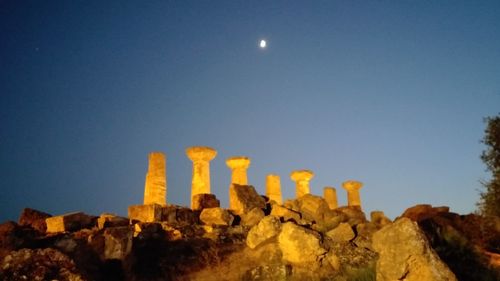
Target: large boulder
405,254
205,200
216,216
252,218
243,198
266,229
111,220
299,245
145,213
379,219
313,208
117,242
342,233
34,219
69,222
285,213
423,211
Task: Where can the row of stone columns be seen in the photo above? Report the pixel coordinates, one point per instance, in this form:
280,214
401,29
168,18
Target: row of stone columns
155,190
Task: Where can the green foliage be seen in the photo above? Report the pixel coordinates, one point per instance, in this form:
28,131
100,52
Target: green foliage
489,203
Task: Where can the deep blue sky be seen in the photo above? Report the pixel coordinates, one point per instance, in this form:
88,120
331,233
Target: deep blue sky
391,93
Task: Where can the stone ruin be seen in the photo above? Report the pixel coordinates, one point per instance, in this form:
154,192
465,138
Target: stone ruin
155,190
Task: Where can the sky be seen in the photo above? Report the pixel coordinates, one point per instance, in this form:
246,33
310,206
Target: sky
389,93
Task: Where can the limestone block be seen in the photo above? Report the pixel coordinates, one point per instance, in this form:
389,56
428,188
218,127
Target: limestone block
145,213
301,179
273,188
68,222
34,218
300,245
342,233
312,207
117,242
111,220
204,200
216,216
266,229
253,217
379,219
285,213
330,195
405,253
201,157
243,198
423,211
238,166
353,215
155,187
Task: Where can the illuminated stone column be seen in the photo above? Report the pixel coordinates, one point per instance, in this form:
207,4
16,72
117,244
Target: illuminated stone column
273,188
155,187
238,166
301,179
353,187
330,195
201,157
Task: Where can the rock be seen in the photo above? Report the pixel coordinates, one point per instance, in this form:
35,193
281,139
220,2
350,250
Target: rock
379,219
68,222
148,230
216,216
423,211
333,261
285,213
117,242
313,208
38,264
405,254
10,237
354,215
299,245
266,229
186,216
243,198
253,217
342,233
145,213
205,200
34,218
364,235
111,220
275,272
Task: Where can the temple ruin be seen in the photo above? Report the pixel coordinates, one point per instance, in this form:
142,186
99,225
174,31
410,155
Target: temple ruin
273,188
352,188
201,157
301,179
155,187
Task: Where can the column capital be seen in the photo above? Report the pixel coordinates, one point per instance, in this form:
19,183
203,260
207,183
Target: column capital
352,185
301,175
200,153
236,162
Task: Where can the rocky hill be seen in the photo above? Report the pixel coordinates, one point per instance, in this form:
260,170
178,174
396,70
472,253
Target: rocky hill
302,239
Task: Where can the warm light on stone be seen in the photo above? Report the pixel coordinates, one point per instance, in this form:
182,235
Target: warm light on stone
353,187
273,188
238,166
301,179
201,157
330,195
155,188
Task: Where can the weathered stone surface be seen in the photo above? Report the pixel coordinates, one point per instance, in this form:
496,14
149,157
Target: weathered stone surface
201,157
118,242
10,237
352,188
253,217
379,219
34,218
423,211
313,208
243,198
301,179
274,272
353,215
111,220
330,195
204,200
342,233
38,264
145,213
285,213
266,229
238,166
299,245
155,187
216,216
273,188
405,254
68,222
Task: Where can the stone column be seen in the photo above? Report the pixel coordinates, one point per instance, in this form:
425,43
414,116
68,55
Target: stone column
273,188
238,166
330,195
201,157
155,187
353,187
301,179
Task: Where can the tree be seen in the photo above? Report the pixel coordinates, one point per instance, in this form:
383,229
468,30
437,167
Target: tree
489,203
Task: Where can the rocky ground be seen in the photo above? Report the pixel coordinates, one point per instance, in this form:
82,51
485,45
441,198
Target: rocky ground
300,240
